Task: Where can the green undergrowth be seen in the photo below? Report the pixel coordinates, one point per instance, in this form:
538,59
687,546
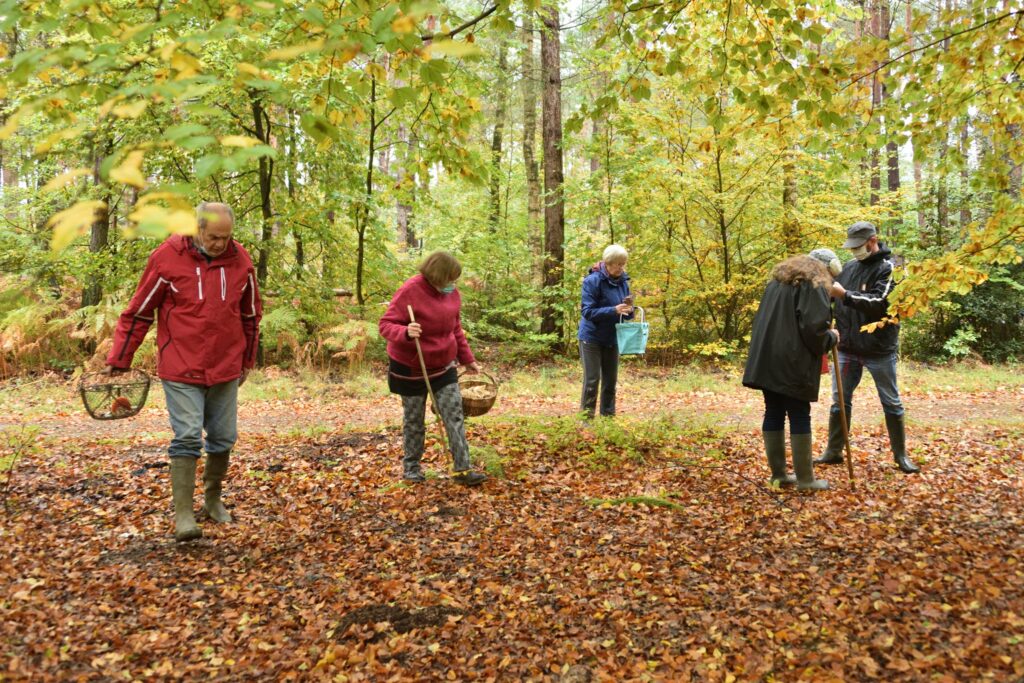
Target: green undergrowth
600,443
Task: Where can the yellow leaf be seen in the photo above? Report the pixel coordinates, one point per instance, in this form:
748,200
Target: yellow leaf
72,222
454,48
434,647
248,68
239,141
12,124
129,171
159,221
3,90
64,178
403,24
185,64
293,51
132,110
49,141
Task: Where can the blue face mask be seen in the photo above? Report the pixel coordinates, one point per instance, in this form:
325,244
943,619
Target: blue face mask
447,290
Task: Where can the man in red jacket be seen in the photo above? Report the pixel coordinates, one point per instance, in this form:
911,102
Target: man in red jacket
203,289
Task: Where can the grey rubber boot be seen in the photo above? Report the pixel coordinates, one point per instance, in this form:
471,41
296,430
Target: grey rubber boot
213,478
775,449
833,454
183,486
805,480
896,426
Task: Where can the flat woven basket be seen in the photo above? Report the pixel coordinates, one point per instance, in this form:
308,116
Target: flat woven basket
478,393
114,397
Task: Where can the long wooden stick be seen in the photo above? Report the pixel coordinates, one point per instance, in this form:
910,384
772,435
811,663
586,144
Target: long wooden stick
842,415
430,390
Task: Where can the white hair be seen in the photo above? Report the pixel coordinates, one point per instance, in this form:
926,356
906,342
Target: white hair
204,210
615,254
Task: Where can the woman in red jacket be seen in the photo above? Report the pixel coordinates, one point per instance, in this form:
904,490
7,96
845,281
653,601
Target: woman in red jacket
436,304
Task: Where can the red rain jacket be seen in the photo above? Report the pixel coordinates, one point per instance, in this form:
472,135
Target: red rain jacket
209,314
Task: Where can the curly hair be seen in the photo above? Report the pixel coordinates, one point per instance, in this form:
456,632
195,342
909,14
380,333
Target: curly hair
797,269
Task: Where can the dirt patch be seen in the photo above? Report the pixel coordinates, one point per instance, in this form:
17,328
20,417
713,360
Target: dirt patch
400,619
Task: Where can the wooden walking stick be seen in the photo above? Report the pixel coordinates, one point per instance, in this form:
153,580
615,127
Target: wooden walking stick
430,390
842,415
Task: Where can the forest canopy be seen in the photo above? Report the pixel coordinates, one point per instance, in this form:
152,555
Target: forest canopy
710,139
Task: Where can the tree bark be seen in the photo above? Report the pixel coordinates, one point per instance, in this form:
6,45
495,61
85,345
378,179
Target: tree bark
497,135
965,179
554,204
529,81
99,232
876,101
790,224
261,124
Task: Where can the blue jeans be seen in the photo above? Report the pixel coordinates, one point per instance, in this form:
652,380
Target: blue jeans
883,371
777,406
193,408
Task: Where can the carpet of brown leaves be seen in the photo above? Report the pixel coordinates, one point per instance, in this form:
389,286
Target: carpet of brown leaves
332,571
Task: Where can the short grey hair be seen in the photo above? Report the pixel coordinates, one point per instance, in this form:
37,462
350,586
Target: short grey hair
204,210
615,254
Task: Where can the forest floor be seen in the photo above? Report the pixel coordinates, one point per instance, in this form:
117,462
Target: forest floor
644,548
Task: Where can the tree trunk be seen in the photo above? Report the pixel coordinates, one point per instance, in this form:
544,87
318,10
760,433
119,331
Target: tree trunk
790,225
363,208
892,150
300,248
941,194
965,180
554,205
99,233
403,210
876,101
498,133
261,121
596,135
529,80
918,191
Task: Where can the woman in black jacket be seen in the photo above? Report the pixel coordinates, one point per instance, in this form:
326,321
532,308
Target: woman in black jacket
792,330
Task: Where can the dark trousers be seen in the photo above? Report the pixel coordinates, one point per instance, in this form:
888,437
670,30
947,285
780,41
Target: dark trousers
600,365
777,406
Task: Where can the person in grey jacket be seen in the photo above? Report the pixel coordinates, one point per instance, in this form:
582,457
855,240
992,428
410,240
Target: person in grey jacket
792,329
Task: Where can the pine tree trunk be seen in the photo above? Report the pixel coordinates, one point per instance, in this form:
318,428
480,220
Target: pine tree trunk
554,206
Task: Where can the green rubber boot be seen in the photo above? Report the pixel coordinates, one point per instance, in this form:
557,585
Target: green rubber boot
833,454
213,477
896,426
775,449
805,480
183,486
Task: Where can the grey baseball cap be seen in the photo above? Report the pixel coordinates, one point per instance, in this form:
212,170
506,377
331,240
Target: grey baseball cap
858,234
828,259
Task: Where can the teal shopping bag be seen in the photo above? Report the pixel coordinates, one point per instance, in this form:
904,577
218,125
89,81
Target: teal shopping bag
632,336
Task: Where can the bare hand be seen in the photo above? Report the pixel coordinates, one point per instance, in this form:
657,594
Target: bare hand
474,368
111,370
837,291
244,376
414,330
623,309
836,333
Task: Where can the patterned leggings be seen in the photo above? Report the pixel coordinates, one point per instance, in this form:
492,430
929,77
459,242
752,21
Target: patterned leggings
449,403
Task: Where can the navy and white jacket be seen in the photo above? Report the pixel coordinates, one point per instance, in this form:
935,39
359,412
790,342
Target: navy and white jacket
601,294
868,284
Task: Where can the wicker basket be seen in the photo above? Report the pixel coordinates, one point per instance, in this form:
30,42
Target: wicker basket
114,397
483,391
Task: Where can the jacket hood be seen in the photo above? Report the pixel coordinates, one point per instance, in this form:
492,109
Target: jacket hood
797,269
883,252
599,267
185,243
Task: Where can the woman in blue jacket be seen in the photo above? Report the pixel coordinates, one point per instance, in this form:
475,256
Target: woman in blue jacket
606,300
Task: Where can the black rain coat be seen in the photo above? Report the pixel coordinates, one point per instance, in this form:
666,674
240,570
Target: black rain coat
791,332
